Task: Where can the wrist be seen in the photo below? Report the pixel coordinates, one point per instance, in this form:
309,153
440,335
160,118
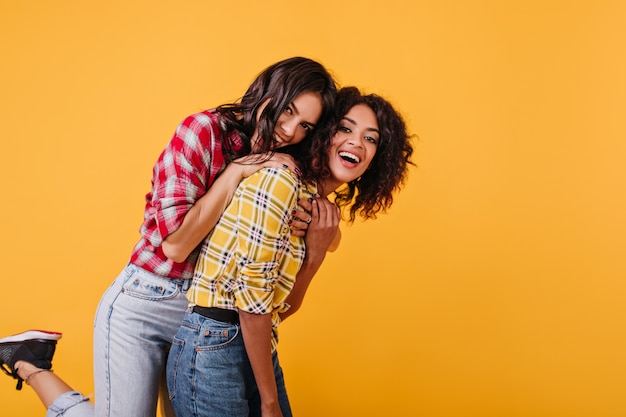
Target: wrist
269,407
313,258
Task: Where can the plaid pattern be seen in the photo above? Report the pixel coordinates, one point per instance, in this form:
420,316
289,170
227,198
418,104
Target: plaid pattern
249,261
183,173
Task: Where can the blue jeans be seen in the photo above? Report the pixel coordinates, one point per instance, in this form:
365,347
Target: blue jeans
208,372
71,404
135,322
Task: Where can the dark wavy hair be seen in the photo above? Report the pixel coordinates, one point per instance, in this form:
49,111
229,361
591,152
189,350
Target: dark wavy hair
281,83
373,191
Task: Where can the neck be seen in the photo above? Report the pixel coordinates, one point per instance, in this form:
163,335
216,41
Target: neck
327,186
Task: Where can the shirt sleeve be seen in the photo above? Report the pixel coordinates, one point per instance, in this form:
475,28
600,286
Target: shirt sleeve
184,171
266,200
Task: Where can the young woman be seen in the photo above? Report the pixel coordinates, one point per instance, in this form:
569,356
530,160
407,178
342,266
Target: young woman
140,312
370,153
223,361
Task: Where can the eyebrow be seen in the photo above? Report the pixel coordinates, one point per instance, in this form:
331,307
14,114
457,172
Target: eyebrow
372,129
296,111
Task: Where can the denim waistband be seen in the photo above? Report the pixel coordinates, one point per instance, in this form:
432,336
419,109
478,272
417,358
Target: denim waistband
183,283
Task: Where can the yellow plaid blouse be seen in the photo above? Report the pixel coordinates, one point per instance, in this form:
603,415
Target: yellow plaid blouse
249,261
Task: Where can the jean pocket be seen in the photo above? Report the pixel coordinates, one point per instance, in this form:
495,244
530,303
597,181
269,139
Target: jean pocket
148,288
216,335
172,367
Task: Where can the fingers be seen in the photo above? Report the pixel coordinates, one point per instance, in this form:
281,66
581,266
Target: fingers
298,232
324,227
314,210
298,227
305,205
325,212
301,218
254,162
281,160
317,213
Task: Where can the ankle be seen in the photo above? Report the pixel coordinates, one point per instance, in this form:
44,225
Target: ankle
37,372
24,369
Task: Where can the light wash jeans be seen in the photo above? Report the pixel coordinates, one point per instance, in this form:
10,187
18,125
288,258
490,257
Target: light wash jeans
209,375
135,322
71,404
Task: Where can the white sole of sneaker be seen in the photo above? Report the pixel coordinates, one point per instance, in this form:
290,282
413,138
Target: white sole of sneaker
32,335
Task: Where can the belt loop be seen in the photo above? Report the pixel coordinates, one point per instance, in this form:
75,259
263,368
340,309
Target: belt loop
186,285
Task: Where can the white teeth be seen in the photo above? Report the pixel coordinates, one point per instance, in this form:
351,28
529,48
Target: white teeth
350,157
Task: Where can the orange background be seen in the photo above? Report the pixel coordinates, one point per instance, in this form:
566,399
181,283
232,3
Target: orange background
494,286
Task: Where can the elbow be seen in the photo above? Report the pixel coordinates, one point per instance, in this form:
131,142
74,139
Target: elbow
173,252
294,309
283,316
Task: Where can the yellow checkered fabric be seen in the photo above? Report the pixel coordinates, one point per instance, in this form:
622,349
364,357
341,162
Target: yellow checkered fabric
249,261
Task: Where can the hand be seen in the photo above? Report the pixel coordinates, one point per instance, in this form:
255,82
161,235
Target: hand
301,217
323,228
250,164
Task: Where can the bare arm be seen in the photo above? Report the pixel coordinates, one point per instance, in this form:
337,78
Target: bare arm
257,337
322,233
205,213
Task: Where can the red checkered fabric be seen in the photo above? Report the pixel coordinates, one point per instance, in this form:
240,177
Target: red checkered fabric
185,170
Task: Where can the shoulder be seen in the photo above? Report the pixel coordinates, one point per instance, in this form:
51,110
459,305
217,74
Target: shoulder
198,130
273,175
281,183
203,120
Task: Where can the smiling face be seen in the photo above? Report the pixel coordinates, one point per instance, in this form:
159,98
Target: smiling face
353,146
296,121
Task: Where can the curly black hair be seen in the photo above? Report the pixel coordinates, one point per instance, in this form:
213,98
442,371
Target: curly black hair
372,193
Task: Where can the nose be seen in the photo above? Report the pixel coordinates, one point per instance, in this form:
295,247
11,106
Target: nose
355,141
288,128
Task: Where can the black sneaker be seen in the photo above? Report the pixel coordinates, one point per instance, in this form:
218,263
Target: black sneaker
33,346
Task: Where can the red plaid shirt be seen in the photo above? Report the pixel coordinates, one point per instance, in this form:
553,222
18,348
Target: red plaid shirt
183,173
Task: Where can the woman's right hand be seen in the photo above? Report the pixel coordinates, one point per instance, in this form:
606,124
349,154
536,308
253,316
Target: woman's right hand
250,164
323,228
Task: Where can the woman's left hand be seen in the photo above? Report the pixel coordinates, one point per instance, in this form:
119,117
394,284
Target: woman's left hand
323,226
301,218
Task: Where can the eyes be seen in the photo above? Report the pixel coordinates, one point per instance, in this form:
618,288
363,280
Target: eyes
345,129
306,126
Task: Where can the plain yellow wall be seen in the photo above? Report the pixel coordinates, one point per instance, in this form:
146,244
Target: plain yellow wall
495,285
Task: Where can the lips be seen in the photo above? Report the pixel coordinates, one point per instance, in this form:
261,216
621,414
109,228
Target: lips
278,138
